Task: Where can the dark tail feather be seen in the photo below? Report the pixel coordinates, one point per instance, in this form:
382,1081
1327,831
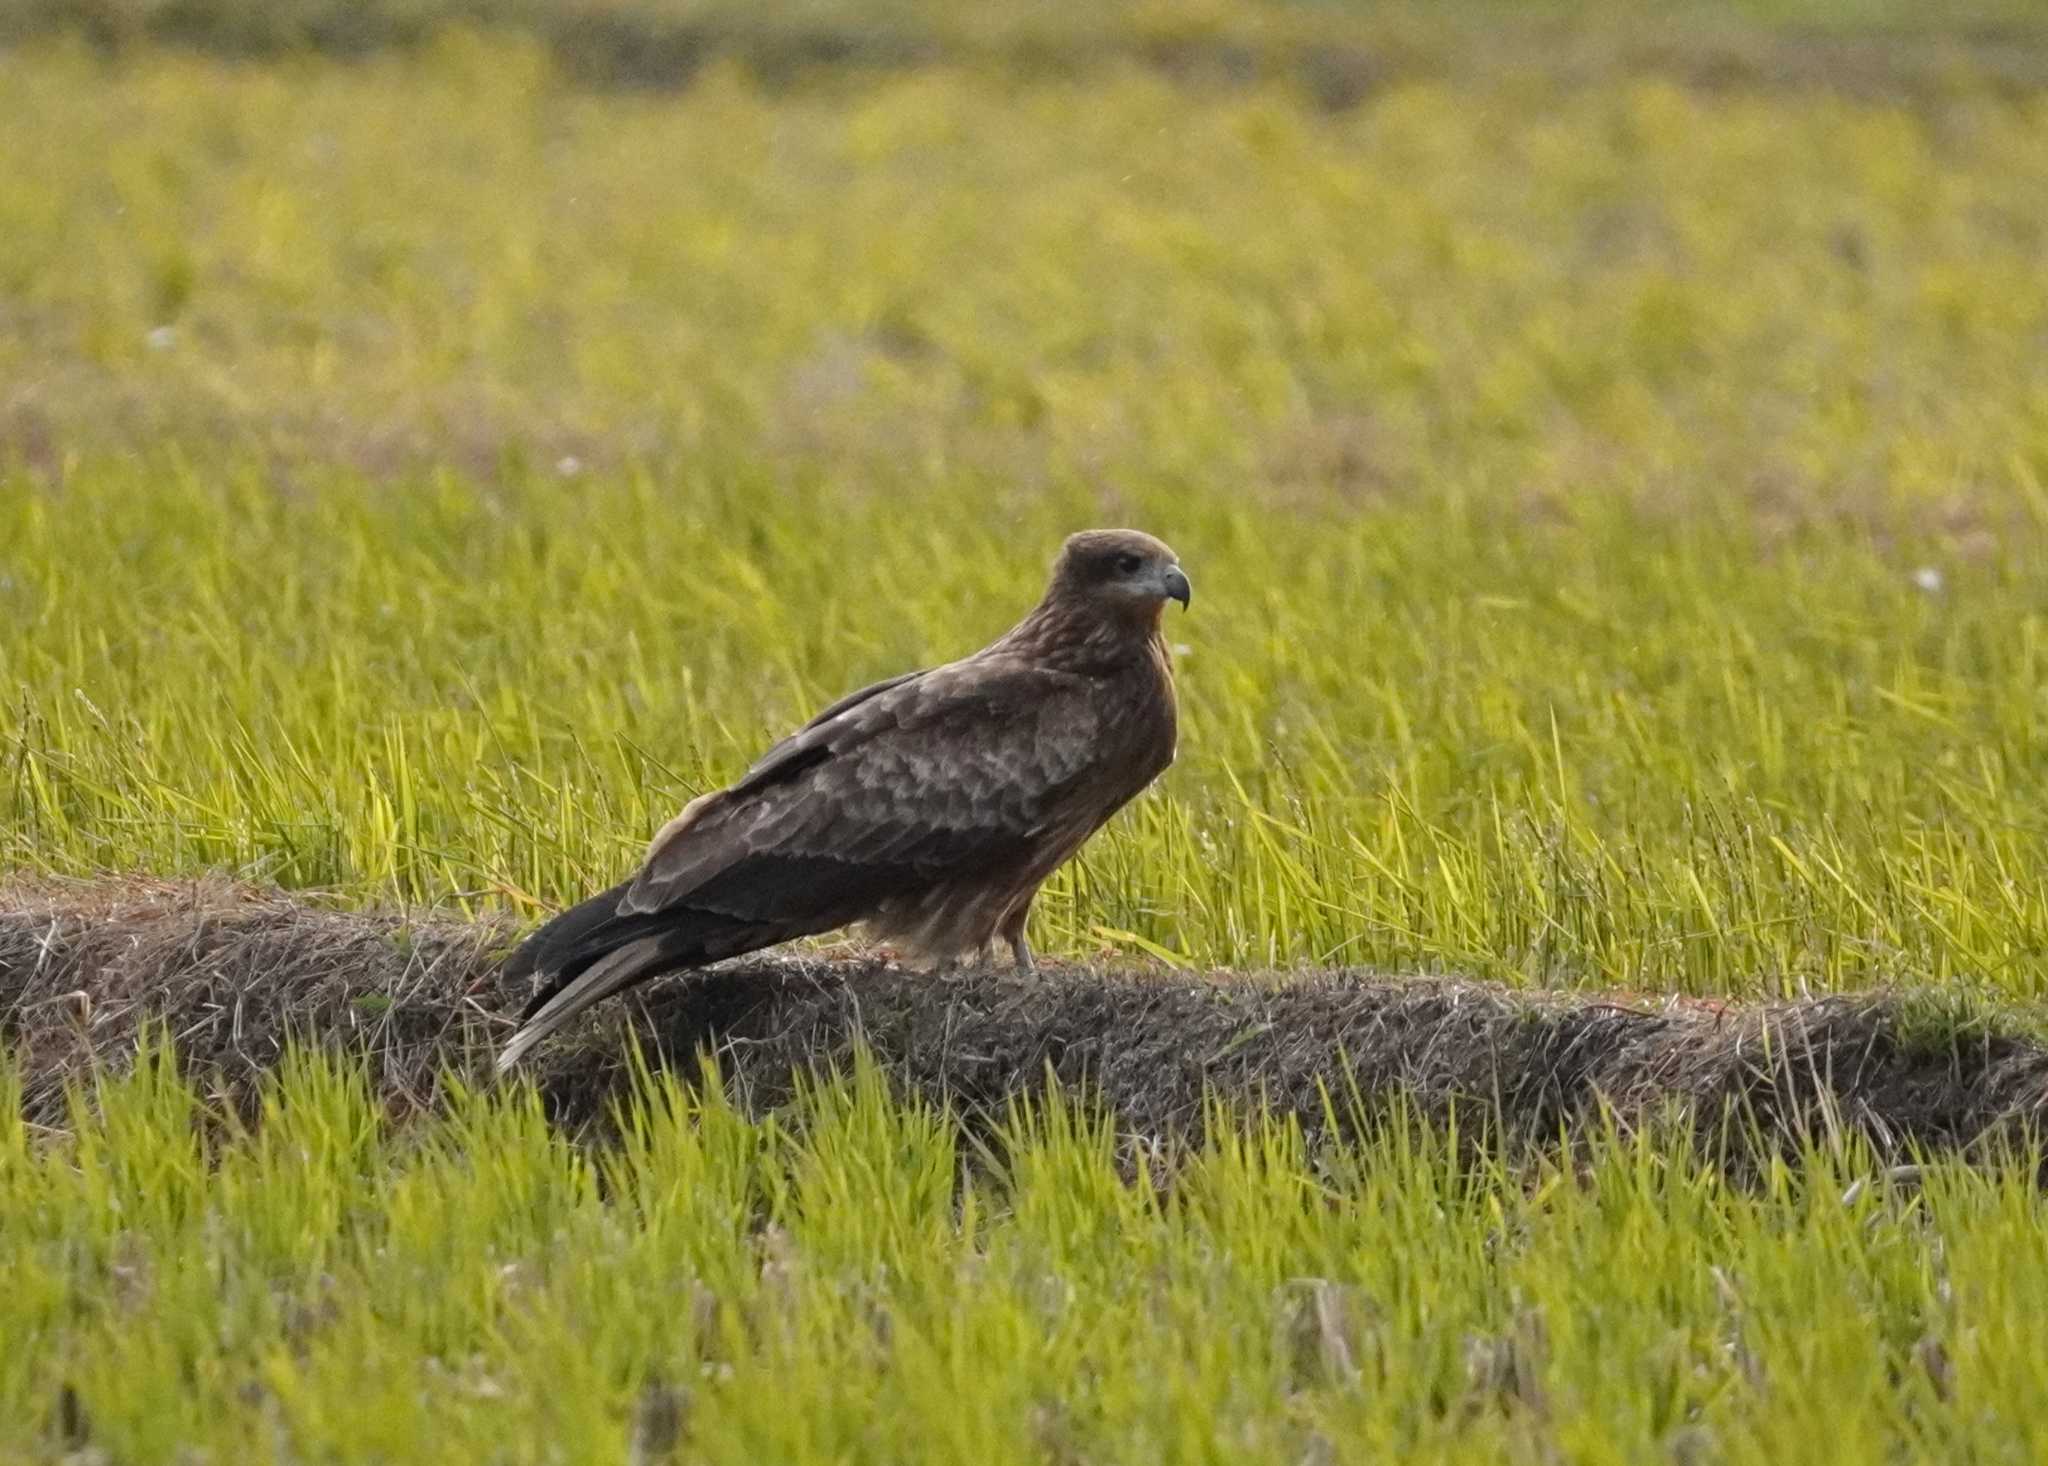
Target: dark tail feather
570,941
590,951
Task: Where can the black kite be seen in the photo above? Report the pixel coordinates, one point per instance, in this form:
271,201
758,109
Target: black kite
929,808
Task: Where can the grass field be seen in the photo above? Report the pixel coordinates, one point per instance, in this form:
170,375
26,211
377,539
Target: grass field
821,1290
1618,512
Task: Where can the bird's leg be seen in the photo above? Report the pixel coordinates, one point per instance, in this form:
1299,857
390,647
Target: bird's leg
1013,933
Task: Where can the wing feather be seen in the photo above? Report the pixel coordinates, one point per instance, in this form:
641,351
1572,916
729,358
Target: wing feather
943,772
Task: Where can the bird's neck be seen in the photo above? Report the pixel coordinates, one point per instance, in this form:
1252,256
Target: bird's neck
1085,637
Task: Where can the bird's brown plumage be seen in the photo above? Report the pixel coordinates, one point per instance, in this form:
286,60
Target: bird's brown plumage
928,808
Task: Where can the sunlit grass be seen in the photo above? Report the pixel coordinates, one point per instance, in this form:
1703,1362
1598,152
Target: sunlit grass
832,1285
1616,751
1616,514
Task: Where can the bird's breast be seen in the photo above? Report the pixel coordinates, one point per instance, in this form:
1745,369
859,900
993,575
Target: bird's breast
1141,718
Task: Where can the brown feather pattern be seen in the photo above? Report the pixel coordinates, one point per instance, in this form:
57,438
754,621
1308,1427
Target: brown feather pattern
928,807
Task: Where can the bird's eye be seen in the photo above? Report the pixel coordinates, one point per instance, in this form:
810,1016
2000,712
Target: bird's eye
1128,564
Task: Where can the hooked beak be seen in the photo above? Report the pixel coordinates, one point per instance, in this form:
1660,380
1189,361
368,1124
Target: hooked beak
1177,587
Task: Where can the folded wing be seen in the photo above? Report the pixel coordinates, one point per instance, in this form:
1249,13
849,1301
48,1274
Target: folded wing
940,775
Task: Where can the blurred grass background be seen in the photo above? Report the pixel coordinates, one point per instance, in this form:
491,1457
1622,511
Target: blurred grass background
1339,49
1615,495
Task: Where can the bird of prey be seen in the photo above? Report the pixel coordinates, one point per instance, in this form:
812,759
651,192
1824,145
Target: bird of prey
928,808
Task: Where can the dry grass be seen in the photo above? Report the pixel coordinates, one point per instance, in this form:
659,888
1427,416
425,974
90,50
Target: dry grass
235,974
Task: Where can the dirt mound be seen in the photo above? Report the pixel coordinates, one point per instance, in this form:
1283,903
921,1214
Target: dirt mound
236,973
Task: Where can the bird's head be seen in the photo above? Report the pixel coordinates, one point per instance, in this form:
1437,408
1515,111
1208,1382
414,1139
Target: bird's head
1120,570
